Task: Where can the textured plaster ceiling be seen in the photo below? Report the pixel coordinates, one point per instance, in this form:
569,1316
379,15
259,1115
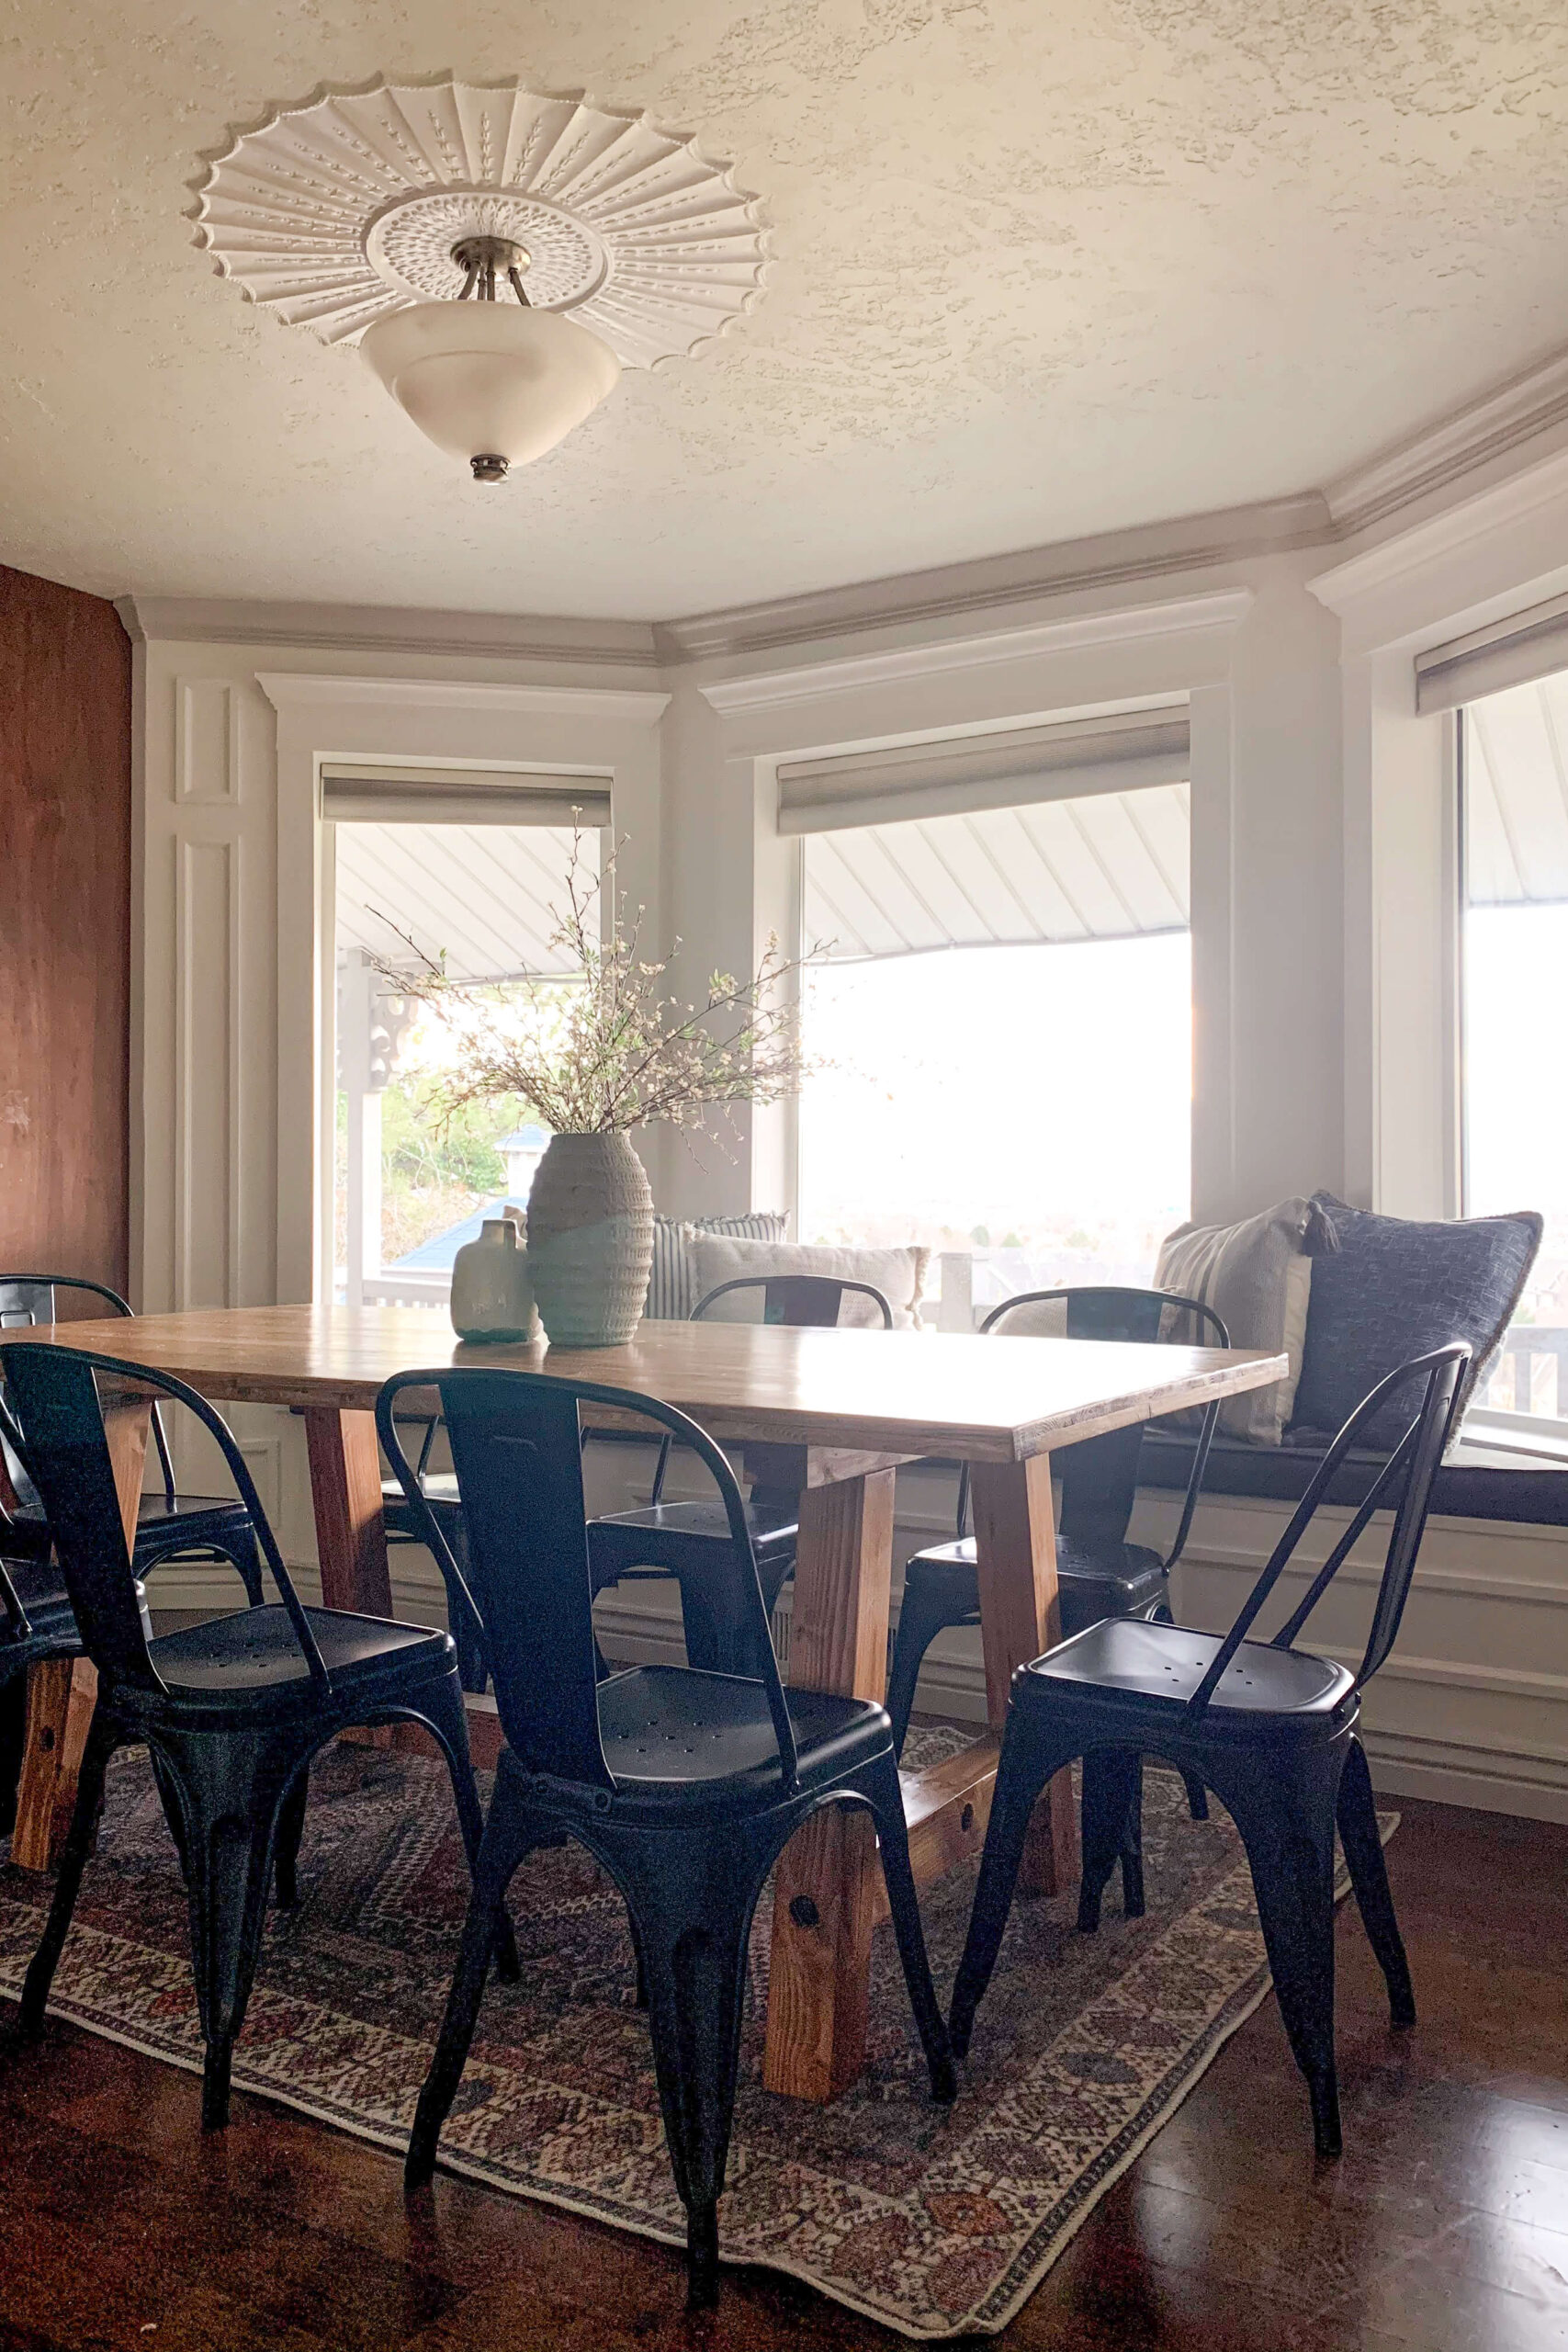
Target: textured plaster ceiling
1040,268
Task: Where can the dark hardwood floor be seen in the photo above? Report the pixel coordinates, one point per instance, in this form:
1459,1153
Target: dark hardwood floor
1444,2226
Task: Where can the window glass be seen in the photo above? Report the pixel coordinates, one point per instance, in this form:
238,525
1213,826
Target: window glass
1514,966
1015,1091
408,1191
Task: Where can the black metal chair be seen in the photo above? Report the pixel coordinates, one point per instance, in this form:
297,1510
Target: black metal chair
170,1525
684,1785
690,1541
233,1710
1098,1573
1271,1729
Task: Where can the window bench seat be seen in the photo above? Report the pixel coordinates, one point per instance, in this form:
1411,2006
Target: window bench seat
1477,1481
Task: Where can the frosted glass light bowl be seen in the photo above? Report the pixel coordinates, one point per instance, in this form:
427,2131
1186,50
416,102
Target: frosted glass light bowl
495,384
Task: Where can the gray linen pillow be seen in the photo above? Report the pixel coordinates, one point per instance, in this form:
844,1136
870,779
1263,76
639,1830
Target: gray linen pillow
898,1273
1395,1288
1258,1277
670,1297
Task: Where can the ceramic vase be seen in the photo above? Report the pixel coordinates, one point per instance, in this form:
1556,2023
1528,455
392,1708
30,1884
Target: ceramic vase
590,1240
492,1297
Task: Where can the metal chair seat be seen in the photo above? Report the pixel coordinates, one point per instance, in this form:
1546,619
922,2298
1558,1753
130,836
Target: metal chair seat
669,1730
165,1526
250,1657
39,1588
1092,1584
1140,1670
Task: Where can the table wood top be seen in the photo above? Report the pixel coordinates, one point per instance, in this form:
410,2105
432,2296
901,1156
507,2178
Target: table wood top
896,1393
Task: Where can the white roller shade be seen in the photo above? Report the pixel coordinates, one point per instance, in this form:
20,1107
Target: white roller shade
1108,866
1514,652
490,901
970,773
361,793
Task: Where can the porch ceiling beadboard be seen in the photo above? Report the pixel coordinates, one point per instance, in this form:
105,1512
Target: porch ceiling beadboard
1516,784
1113,866
486,896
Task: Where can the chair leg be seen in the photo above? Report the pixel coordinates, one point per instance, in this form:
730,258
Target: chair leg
1028,1760
922,1615
235,1790
242,1549
693,1931
101,1745
903,1903
1197,1796
443,1709
1369,1875
1288,1832
290,1834
1112,1779
507,1837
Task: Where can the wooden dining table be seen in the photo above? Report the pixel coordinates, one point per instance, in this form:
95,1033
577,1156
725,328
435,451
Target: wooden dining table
830,1413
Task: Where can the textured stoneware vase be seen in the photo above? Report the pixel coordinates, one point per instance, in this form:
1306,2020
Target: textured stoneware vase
491,1295
590,1240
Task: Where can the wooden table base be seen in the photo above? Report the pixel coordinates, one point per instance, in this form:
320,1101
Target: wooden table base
828,1890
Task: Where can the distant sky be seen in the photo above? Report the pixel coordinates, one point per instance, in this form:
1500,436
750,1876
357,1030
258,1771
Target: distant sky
1002,1086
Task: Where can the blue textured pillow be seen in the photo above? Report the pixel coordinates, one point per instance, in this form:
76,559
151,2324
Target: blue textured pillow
1394,1288
669,1297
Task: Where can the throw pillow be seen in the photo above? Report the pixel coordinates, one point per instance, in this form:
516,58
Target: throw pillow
899,1274
1258,1277
670,1293
1394,1287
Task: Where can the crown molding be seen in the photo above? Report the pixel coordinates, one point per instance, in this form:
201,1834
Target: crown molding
296,689
1518,409
774,689
378,629
960,591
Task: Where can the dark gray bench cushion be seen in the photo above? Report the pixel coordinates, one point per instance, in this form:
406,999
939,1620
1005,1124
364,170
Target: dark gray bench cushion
1475,1482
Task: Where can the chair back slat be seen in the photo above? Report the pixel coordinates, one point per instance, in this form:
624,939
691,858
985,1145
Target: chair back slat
516,1449
804,1301
58,1396
1405,1480
29,1299
1100,1476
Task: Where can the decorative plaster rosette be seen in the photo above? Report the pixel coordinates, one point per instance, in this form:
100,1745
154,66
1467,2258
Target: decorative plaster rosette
335,212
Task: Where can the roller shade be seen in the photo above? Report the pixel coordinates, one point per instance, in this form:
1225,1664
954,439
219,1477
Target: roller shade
1516,788
360,793
971,774
1525,647
1106,865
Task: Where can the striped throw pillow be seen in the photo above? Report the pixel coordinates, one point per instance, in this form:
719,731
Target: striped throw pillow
669,1295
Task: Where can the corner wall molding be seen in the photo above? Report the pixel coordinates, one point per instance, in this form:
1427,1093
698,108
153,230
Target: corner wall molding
295,689
1528,408
377,629
1512,412
771,689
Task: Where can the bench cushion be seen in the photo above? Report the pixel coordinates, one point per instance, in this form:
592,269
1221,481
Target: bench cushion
1475,1482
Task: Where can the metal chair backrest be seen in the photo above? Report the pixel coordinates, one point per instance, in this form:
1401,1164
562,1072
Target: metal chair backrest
1403,1485
58,1402
807,1302
803,1302
1100,1476
27,1300
517,1450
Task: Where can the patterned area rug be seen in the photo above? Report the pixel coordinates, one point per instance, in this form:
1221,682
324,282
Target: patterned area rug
935,2224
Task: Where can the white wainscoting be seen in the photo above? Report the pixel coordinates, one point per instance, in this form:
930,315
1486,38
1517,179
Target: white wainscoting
1472,1709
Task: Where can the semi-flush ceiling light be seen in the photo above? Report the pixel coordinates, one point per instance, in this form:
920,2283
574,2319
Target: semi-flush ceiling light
495,382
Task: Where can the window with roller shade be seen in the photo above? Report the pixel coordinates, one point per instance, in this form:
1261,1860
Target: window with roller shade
468,865
1000,989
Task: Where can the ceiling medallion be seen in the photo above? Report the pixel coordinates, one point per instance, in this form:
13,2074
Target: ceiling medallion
340,212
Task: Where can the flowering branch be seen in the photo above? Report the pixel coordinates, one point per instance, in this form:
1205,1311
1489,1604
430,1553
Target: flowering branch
612,1050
